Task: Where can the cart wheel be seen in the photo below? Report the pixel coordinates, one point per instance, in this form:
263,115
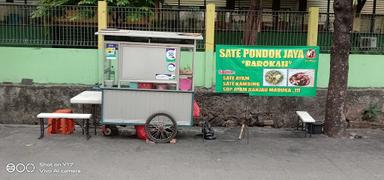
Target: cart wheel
160,128
110,130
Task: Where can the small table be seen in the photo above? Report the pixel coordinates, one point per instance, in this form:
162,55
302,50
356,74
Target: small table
307,122
89,97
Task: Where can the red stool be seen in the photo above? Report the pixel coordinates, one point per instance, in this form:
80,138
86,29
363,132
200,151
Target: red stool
61,126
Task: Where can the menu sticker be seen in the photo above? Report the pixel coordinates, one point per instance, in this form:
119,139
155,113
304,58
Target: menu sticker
170,54
171,67
111,51
165,76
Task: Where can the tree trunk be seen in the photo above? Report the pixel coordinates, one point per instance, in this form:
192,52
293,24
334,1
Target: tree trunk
335,121
252,23
275,14
360,6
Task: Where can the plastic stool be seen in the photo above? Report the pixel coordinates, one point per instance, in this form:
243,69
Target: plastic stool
61,126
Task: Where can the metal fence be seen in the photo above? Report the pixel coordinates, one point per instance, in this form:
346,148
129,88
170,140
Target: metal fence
74,26
164,19
367,36
63,26
274,28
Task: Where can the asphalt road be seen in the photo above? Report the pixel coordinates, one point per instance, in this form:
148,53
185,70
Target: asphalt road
276,154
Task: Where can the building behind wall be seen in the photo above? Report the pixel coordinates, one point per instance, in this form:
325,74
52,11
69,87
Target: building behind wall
296,5
285,5
29,2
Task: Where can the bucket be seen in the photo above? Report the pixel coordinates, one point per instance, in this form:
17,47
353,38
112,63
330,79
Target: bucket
145,85
185,84
162,86
140,132
317,128
133,85
171,87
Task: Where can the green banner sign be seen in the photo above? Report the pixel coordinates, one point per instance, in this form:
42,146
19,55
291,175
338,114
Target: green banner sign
267,71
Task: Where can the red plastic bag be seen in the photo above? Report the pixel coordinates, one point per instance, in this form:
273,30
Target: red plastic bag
196,110
140,132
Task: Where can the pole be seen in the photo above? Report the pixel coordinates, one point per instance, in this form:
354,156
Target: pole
101,24
328,9
209,44
178,15
313,26
373,17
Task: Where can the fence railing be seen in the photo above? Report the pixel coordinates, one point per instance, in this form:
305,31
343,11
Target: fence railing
367,36
164,19
63,26
273,28
74,26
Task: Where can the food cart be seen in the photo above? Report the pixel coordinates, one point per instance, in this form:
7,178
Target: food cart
143,82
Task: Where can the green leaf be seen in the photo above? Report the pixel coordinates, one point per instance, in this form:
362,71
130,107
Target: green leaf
51,8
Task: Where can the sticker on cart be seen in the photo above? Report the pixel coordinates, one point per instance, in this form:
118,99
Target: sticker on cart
171,67
165,76
170,54
111,51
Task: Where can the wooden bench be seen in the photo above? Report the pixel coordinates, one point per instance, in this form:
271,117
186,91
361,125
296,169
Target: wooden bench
84,117
306,120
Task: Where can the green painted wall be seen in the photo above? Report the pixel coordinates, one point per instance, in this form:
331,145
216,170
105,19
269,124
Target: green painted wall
79,66
364,70
48,65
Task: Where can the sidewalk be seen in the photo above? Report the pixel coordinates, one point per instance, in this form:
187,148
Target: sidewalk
273,154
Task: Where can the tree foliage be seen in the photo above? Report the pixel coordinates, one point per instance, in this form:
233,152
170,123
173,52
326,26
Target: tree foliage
44,6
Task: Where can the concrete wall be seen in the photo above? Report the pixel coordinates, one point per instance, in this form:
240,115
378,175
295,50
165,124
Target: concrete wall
231,109
21,104
79,66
